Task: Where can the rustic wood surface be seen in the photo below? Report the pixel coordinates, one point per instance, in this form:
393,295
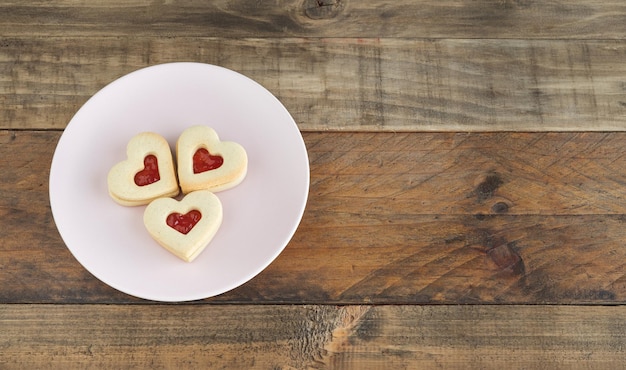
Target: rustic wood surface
467,202
313,337
482,19
345,84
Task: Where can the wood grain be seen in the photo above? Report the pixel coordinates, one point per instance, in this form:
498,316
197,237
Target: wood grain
466,207
311,18
345,84
391,218
314,337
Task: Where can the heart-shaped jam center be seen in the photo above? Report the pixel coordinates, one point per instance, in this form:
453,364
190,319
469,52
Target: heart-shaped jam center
183,223
204,161
150,172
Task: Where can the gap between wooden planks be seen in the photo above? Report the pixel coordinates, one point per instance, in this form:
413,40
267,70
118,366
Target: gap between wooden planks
345,84
391,218
286,337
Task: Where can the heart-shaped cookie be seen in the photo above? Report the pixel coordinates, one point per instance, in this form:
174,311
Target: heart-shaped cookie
147,173
184,227
205,162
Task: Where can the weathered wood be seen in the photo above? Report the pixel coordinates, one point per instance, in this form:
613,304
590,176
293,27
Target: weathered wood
318,337
391,218
426,238
467,173
345,84
312,18
454,259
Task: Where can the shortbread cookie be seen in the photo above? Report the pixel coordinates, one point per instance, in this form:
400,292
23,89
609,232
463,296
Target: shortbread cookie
205,162
184,227
147,173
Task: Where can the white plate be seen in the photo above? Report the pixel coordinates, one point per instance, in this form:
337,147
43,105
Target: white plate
260,215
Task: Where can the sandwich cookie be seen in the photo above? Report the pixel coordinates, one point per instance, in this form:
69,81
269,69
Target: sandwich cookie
184,227
206,163
148,172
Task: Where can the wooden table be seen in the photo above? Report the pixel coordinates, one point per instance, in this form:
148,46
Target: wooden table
467,203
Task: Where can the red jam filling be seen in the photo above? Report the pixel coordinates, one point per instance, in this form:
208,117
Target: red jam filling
204,161
183,223
150,173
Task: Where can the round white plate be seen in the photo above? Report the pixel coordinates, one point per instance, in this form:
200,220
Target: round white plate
260,215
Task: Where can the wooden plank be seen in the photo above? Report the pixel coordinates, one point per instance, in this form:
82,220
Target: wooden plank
312,18
391,218
468,173
345,84
454,260
288,337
